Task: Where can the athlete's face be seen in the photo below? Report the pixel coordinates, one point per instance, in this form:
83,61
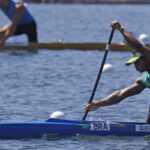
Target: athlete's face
141,65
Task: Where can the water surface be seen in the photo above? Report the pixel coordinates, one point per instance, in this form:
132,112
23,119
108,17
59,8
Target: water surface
33,85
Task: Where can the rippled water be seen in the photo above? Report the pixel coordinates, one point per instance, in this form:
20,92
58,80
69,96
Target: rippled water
33,85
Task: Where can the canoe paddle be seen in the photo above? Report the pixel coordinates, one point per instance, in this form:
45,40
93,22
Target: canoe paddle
100,70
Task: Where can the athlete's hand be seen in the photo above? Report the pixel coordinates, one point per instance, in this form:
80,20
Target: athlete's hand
91,107
115,24
8,29
6,32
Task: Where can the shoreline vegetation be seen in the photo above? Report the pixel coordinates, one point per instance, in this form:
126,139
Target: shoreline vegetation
92,1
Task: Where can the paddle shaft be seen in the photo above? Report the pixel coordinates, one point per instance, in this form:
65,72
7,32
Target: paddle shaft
100,70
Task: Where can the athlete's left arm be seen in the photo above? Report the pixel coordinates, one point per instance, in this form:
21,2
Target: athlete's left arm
145,50
9,29
135,44
131,40
19,8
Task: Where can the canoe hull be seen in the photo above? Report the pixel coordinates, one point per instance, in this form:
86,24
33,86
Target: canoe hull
58,128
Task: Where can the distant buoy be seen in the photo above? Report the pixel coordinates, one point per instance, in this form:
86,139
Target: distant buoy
57,114
107,67
144,38
60,41
25,4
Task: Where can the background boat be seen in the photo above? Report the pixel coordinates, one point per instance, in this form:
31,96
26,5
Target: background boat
62,46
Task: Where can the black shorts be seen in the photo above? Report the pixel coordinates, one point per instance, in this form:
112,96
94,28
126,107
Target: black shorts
29,29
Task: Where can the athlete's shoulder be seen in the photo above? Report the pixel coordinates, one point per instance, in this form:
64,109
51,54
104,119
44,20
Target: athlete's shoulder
145,79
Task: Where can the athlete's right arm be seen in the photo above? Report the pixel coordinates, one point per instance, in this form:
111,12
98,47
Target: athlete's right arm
116,97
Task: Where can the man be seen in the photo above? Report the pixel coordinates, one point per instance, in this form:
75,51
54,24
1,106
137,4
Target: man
22,21
141,60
